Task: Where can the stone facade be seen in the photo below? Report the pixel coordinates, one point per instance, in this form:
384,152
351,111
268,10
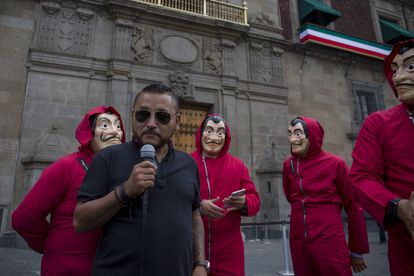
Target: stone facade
60,58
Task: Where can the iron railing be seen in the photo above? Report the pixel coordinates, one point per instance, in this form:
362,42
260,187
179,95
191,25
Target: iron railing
211,8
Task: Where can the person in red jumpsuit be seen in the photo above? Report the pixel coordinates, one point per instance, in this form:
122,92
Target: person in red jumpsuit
382,171
316,185
221,174
55,193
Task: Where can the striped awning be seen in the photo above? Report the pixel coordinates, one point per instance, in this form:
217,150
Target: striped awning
310,33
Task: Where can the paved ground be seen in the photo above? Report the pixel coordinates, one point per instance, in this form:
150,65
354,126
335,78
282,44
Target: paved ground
263,258
267,258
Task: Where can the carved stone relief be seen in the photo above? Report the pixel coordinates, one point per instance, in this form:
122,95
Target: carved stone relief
123,38
142,45
47,30
228,47
64,29
277,66
266,64
179,82
256,61
212,56
264,19
83,31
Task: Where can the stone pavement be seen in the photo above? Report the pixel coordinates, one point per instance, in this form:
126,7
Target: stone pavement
266,258
263,258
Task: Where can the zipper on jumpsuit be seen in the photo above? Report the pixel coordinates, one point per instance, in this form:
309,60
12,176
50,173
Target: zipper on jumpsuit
304,198
208,218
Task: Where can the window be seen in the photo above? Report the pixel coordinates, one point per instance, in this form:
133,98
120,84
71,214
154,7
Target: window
367,99
317,12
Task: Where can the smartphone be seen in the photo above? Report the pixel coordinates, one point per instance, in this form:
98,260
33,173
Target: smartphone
238,193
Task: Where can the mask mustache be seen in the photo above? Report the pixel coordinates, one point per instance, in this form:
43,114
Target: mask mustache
117,137
213,142
404,84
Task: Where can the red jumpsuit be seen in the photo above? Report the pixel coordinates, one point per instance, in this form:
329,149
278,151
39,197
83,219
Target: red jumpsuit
383,169
226,174
64,251
316,187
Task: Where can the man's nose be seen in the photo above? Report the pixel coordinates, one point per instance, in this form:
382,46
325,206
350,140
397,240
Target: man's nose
152,121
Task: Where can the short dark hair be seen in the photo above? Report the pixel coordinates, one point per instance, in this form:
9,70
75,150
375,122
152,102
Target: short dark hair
299,120
406,48
215,118
158,88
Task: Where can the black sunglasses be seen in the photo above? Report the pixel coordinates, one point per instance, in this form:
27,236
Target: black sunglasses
162,117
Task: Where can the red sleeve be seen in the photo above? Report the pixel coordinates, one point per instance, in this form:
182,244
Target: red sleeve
29,219
252,196
367,171
357,231
286,179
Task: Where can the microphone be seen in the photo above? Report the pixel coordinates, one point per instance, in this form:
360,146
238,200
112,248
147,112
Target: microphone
148,153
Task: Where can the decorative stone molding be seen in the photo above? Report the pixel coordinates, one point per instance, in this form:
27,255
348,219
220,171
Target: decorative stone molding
179,82
85,14
178,49
50,7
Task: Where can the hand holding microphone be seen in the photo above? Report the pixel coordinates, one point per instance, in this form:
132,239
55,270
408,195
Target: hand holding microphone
143,174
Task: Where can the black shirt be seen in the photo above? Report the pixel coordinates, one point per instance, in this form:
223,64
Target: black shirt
164,247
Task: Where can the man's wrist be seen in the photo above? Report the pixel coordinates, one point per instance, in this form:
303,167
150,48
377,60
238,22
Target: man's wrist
201,207
244,209
391,212
392,208
203,263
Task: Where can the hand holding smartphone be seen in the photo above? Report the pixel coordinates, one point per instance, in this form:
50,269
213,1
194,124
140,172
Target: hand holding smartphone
238,192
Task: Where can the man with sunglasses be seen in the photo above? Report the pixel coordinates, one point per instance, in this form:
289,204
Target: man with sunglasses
227,193
382,172
149,212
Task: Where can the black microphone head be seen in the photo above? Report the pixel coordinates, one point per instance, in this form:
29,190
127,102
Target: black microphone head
147,152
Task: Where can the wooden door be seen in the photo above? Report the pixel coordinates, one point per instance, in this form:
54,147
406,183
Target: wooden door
191,118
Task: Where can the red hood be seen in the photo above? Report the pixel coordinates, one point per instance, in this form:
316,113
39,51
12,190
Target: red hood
83,131
388,60
199,135
315,136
